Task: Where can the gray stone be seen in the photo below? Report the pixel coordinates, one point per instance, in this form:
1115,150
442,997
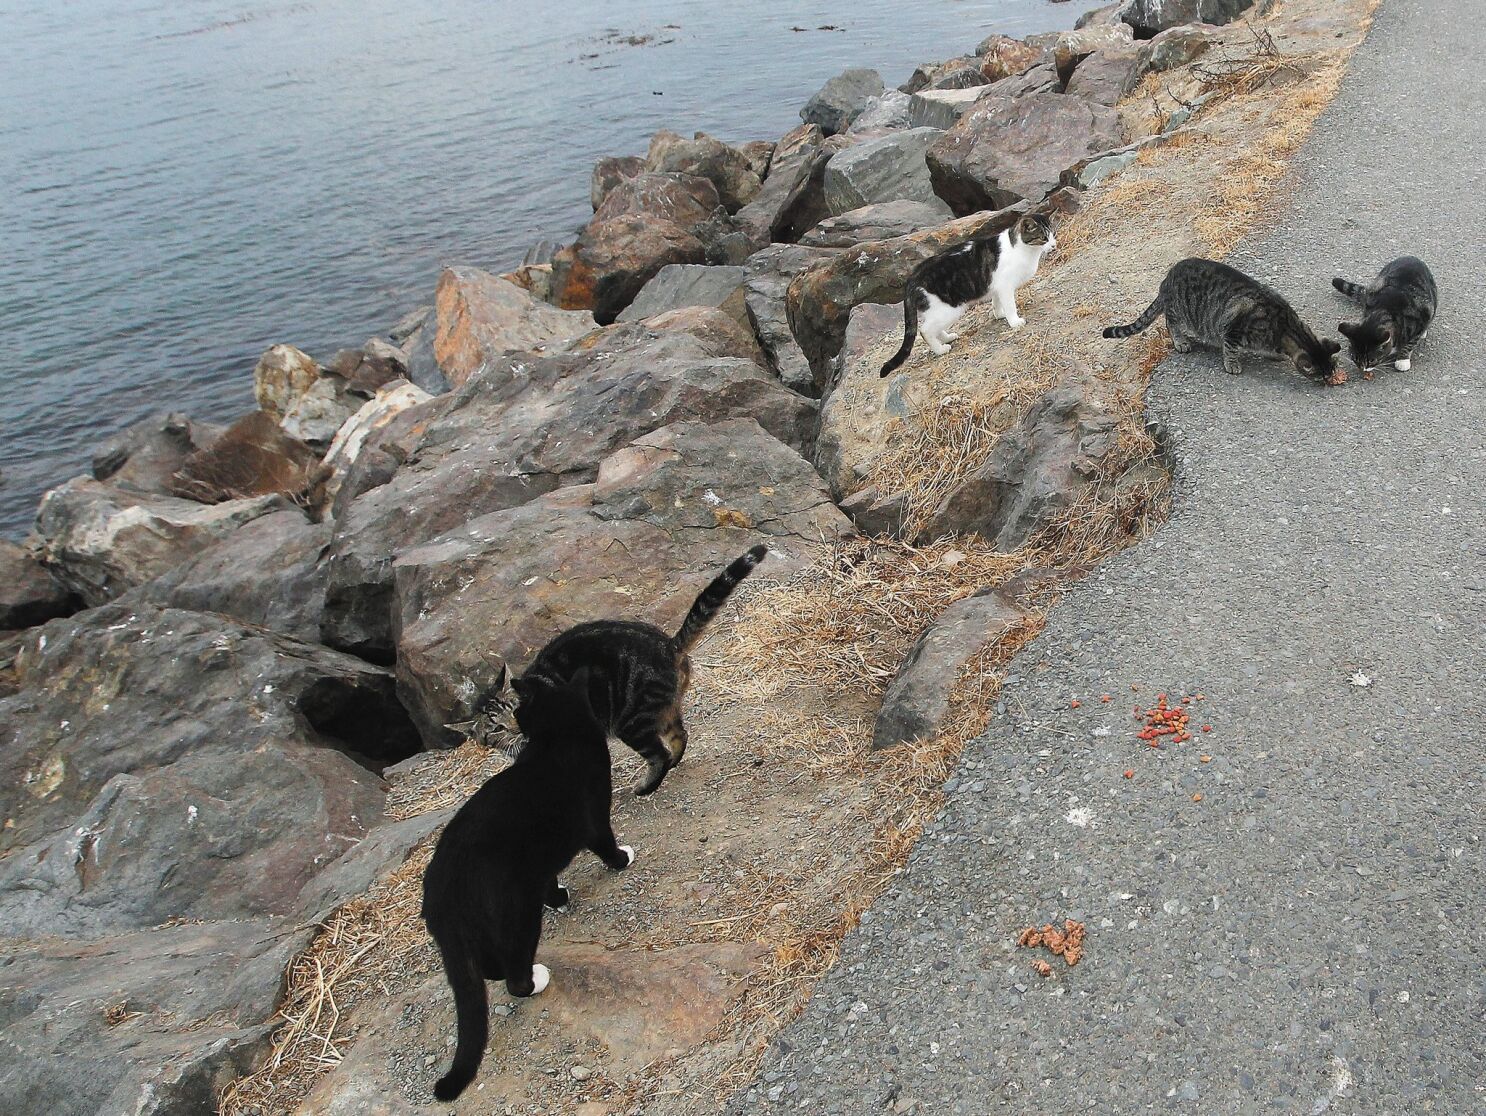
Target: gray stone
917,700
1176,46
609,172
941,108
728,169
29,594
793,196
1107,75
612,259
145,456
765,292
889,168
1041,78
839,101
885,113
1148,17
876,514
878,221
679,285
1007,149
685,200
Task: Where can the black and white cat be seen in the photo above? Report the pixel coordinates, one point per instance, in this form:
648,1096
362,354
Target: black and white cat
640,675
497,862
1209,303
1397,308
945,285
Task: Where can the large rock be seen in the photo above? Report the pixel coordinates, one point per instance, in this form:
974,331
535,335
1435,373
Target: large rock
1176,46
360,431
612,260
839,101
29,594
609,172
270,572
1036,470
820,298
879,221
727,168
887,113
917,701
953,73
1002,57
861,410
889,168
1148,17
681,285
942,108
1107,75
1006,149
282,376
99,541
253,457
765,293
309,402
528,425
1041,78
685,200
145,456
175,786
478,317
793,196
690,497
759,154
370,368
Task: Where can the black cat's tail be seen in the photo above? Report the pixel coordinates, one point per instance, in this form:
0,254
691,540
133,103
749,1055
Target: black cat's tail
709,603
473,1012
1140,324
910,330
1349,288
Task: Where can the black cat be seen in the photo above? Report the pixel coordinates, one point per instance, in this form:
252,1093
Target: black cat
1397,308
1212,304
640,675
497,862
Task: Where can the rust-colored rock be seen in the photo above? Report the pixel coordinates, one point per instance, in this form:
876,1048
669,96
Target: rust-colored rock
608,264
478,317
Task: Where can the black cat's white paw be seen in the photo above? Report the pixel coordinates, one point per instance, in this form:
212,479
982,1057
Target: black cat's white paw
1403,365
629,855
541,976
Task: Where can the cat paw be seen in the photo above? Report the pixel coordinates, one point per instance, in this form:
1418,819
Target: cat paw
541,976
1015,324
1403,365
939,350
629,854
951,336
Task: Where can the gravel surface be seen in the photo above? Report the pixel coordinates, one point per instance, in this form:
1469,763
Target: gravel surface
1308,937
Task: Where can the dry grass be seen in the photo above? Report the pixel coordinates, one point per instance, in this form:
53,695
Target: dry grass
808,660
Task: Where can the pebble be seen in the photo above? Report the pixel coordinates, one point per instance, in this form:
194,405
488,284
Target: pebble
581,1073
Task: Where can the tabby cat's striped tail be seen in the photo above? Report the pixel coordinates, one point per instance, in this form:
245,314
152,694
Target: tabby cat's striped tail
1349,288
712,598
910,330
1152,312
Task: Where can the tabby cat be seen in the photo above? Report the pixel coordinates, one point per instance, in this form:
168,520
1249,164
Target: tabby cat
1209,303
1397,308
640,676
496,864
945,285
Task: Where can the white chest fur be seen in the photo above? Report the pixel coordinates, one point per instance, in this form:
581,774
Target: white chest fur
1017,262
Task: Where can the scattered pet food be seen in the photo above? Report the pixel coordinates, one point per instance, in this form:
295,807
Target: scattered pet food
1067,943
1042,968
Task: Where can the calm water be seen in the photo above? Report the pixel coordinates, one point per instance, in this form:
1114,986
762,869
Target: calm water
185,182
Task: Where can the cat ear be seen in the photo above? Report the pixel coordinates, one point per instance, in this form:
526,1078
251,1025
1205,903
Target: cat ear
1346,328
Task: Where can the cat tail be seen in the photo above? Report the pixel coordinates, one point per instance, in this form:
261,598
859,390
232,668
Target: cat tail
709,603
473,1013
1349,288
1152,312
910,330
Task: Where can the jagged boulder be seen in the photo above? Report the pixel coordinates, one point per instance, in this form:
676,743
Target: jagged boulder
680,285
1010,148
307,401
841,99
270,572
759,154
862,410
953,73
1148,17
612,260
793,196
942,108
1176,46
527,425
478,317
145,456
885,113
916,702
727,168
609,172
1107,75
1002,56
765,294
253,457
368,369
889,168
99,541
1042,78
1036,470
29,594
879,221
689,497
685,200
361,430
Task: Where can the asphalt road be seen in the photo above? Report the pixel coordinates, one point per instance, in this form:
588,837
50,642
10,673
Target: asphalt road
1309,936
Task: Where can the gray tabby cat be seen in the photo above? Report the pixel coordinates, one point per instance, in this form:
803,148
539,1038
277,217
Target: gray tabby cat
943,286
1209,303
1397,308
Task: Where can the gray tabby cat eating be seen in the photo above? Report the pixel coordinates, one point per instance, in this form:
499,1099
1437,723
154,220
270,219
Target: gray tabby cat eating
1209,303
1397,308
945,285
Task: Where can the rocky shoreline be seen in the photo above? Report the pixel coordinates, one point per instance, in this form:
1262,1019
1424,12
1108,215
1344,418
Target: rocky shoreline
220,648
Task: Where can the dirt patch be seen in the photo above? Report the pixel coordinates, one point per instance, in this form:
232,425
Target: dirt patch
782,826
